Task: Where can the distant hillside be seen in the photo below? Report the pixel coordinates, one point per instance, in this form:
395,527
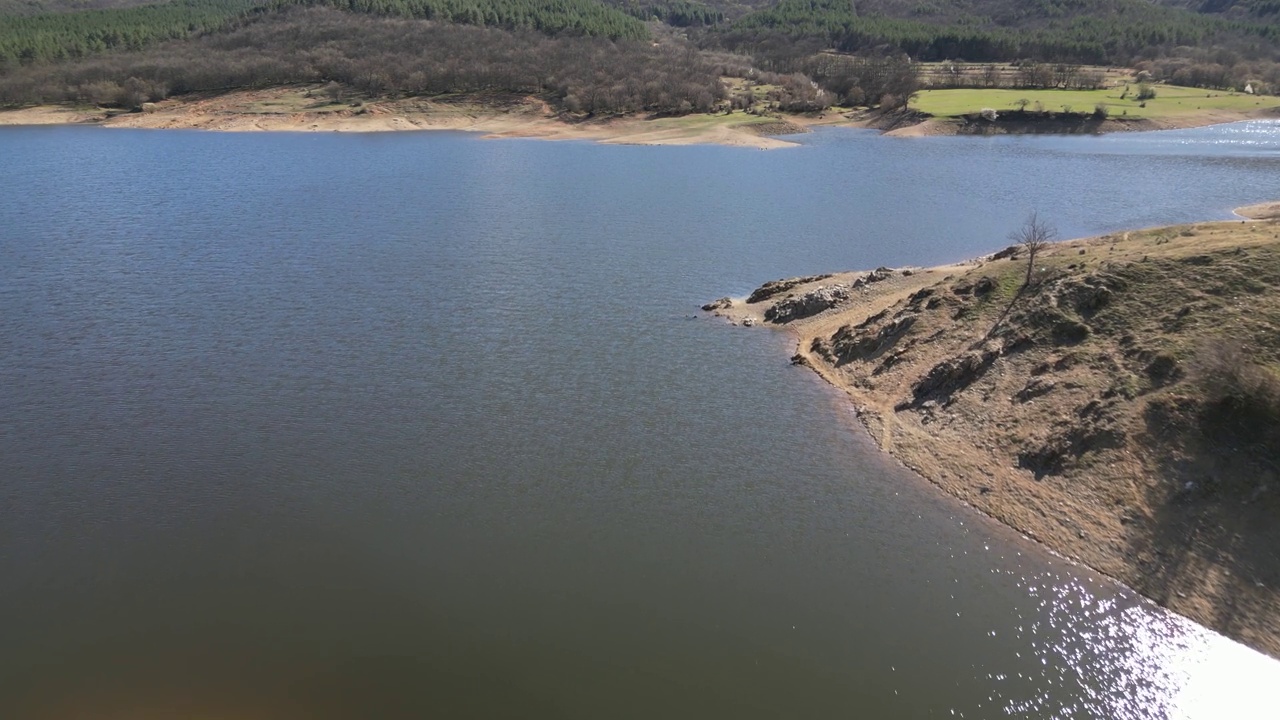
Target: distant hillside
58,36
36,7
572,17
1030,13
62,35
1235,9
789,55
1080,31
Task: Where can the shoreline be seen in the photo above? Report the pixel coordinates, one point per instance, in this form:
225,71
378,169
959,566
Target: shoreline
306,109
1006,125
1054,434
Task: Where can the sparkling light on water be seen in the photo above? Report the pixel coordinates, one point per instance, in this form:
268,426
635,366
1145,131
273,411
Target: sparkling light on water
1133,660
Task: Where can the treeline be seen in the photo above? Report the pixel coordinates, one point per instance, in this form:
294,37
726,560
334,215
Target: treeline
60,36
1262,9
676,13
378,56
36,7
53,37
1022,74
1212,70
1127,31
574,17
885,81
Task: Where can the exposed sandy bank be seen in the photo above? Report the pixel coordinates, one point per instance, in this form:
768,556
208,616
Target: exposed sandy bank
934,126
1076,411
305,109
1261,211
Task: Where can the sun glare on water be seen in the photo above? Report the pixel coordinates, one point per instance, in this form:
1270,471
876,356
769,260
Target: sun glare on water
1133,660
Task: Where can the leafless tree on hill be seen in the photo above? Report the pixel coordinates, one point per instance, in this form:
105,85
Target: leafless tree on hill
1033,236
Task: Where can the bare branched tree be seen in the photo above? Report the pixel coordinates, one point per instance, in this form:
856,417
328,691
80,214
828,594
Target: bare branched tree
1033,235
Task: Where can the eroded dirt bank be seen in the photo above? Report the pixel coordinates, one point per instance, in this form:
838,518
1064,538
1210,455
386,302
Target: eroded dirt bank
1123,408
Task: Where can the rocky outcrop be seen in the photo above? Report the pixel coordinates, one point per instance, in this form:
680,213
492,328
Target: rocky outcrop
978,288
1088,295
880,274
864,341
778,287
806,305
1096,427
953,375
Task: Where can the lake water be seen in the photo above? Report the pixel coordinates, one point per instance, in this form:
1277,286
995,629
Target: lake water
421,425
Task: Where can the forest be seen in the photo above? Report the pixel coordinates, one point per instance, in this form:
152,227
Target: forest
615,56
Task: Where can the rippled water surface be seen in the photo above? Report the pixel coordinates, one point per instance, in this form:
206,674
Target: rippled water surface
344,426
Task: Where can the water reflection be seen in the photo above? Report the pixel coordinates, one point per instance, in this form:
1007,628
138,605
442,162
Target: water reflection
426,434
1119,656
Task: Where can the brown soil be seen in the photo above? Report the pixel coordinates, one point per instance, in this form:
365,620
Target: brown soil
1079,410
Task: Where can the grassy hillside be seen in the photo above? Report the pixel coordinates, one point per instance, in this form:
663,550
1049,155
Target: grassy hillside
1123,407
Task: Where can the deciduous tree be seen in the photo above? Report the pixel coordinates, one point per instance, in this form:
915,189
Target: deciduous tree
1033,235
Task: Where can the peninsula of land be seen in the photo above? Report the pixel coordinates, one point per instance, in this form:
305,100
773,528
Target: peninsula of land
1122,407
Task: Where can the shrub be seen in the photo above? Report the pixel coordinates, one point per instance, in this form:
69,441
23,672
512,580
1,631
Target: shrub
1146,92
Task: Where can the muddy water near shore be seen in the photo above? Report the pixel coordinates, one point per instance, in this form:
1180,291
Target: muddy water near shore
384,426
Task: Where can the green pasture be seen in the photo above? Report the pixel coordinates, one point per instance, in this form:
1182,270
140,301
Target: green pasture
1170,101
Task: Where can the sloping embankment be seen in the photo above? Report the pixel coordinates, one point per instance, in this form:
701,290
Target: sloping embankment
1123,409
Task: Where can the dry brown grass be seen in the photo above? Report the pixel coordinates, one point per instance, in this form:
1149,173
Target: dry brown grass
1122,408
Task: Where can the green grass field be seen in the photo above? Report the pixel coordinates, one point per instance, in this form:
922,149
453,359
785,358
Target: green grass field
1170,101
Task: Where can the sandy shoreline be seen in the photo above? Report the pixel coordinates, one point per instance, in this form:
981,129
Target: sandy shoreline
1261,211
303,109
1155,513
306,109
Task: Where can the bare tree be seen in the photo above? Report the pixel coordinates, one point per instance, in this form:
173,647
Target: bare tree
1033,235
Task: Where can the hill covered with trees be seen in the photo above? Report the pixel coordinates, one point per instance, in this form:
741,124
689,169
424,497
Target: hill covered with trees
604,56
1074,31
